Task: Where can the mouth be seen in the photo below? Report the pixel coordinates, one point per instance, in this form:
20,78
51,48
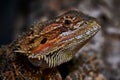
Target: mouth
69,39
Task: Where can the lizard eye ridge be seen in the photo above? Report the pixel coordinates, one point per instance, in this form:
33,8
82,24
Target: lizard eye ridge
43,41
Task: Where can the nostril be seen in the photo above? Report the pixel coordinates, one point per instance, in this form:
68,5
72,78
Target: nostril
43,41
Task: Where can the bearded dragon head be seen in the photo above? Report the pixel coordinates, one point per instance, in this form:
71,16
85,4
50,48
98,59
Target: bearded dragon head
57,41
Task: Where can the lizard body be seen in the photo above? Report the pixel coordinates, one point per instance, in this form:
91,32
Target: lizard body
49,44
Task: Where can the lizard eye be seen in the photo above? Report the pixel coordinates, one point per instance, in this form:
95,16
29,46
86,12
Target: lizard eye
67,22
43,41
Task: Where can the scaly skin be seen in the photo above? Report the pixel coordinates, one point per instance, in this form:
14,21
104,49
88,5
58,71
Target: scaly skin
48,45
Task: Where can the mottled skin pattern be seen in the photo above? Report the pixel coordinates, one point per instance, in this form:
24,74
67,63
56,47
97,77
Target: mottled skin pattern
35,54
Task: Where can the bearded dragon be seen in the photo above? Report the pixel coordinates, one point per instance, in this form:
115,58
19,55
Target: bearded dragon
35,54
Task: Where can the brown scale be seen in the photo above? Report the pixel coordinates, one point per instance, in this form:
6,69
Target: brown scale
42,39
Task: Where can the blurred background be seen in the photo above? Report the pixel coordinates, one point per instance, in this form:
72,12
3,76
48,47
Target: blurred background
17,16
